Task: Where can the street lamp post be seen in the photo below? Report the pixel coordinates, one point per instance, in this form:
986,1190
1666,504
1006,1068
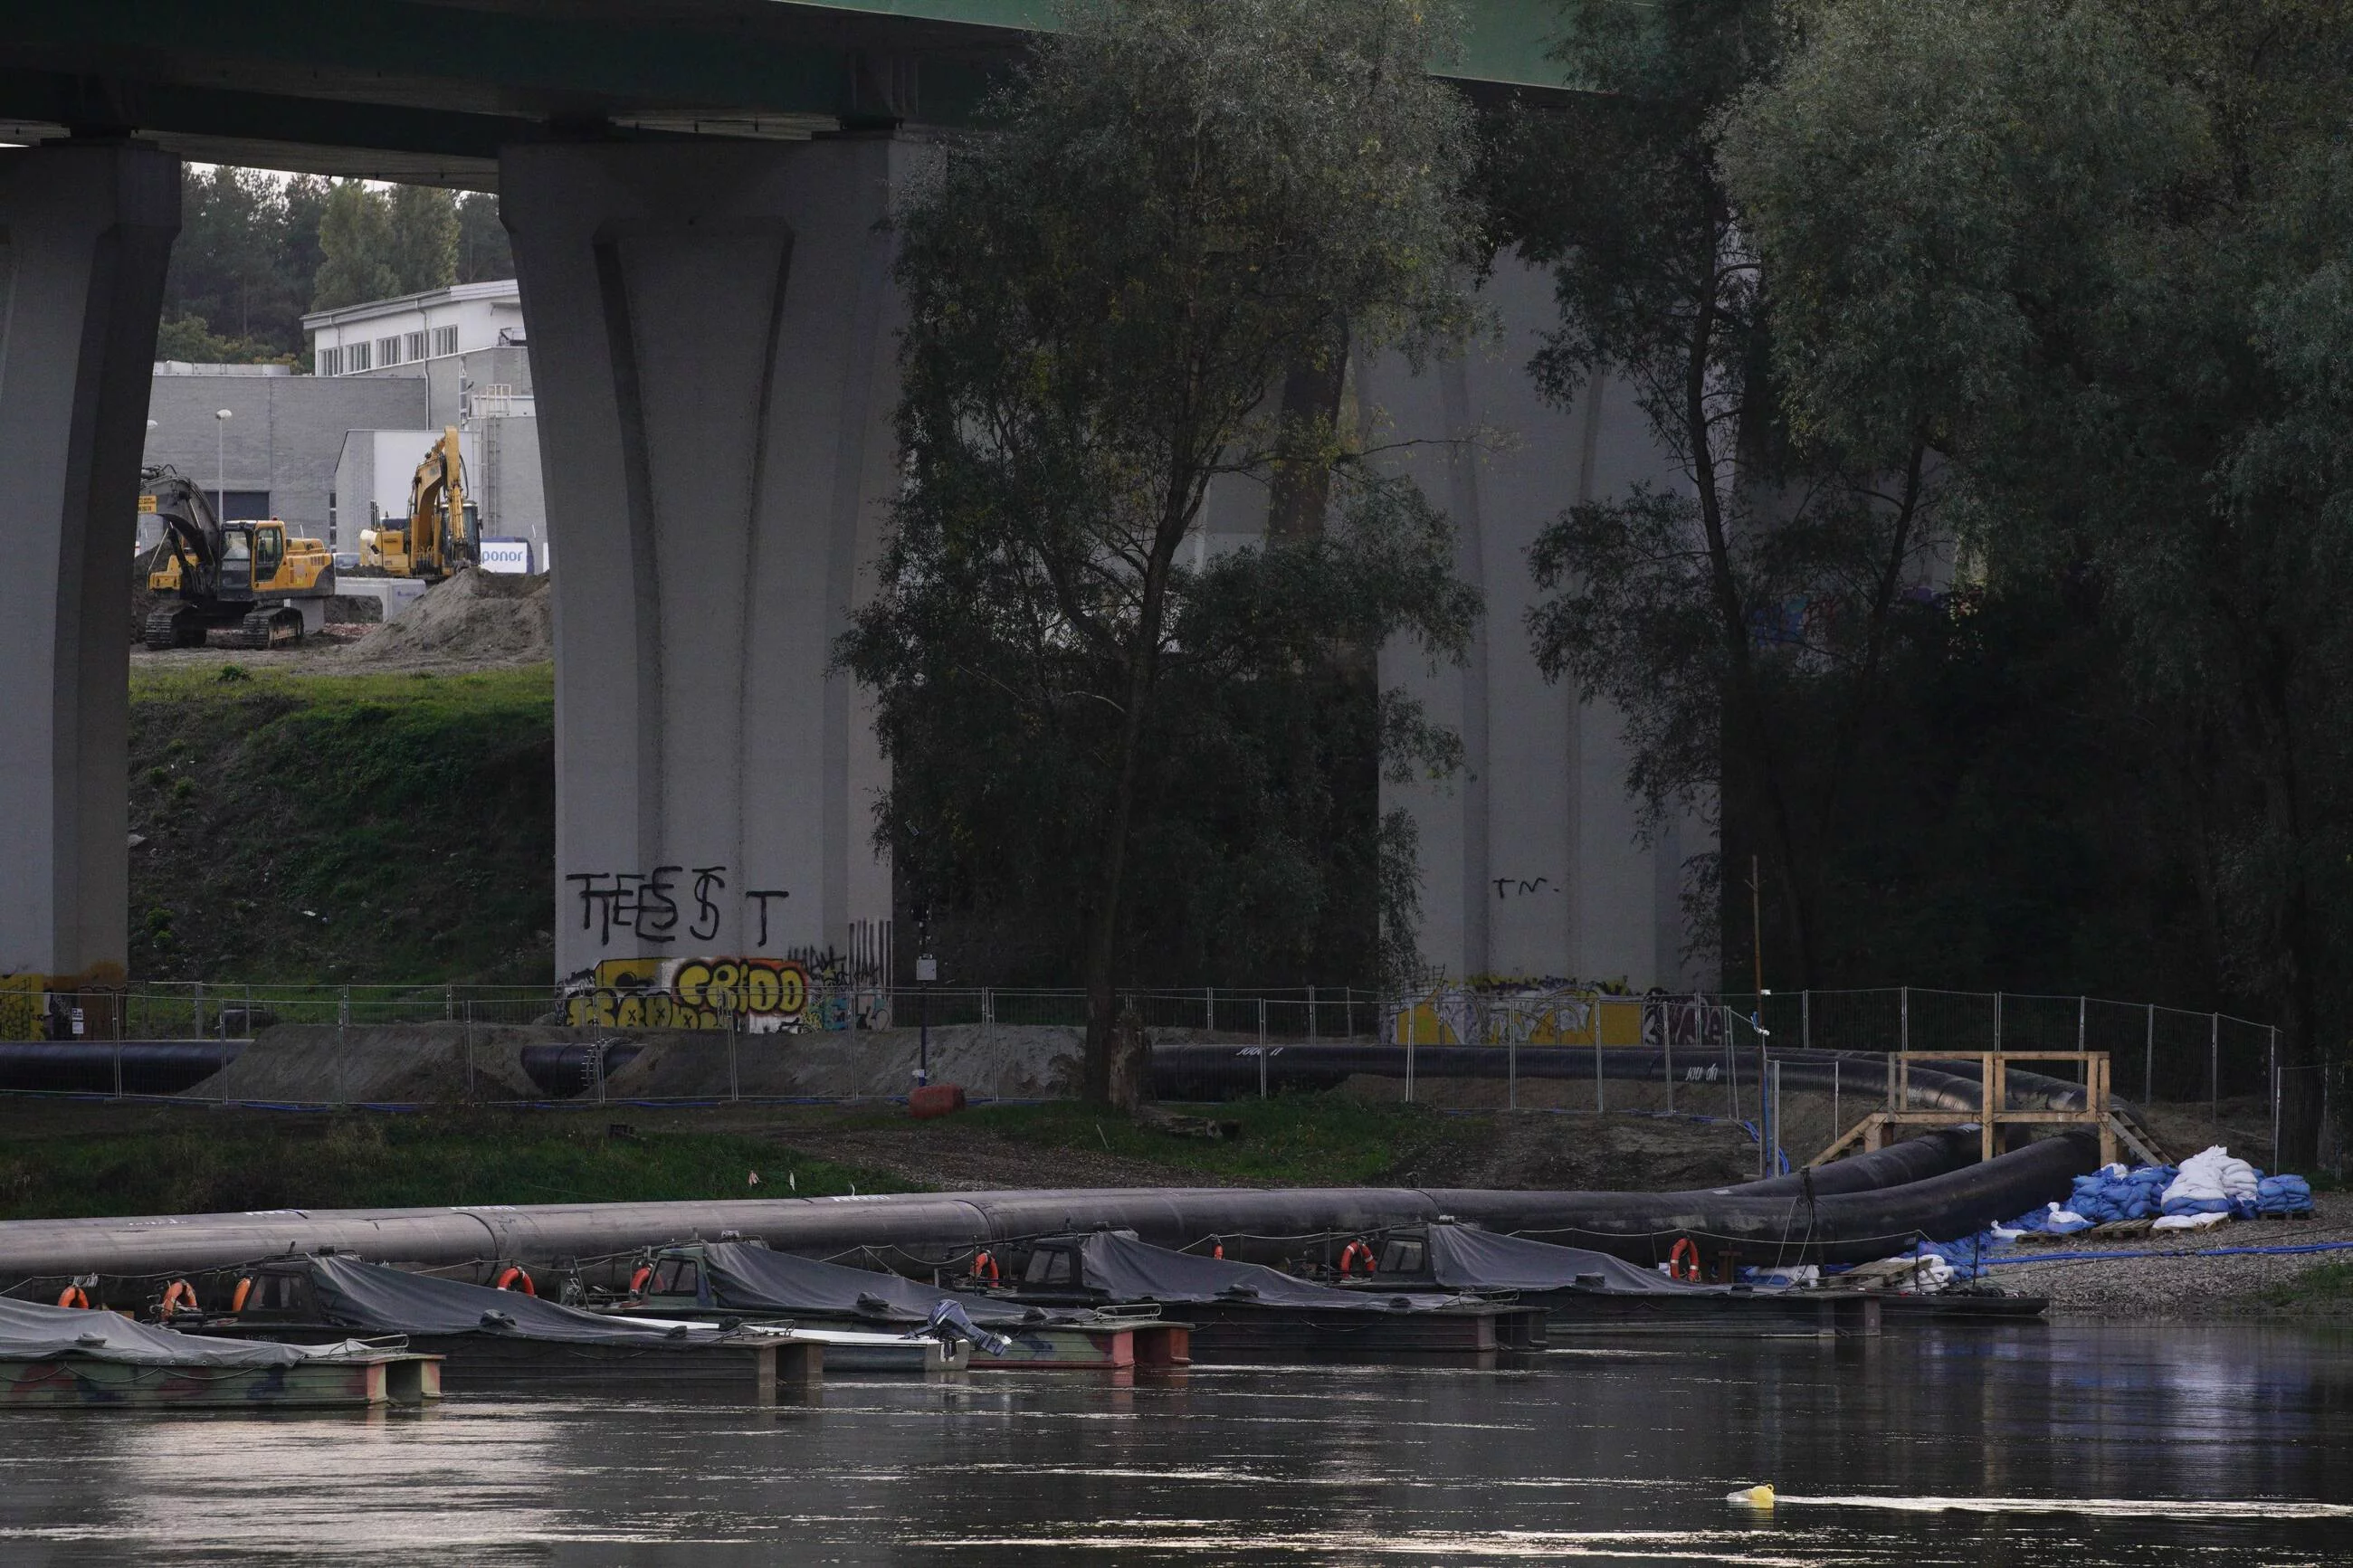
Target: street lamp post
221,416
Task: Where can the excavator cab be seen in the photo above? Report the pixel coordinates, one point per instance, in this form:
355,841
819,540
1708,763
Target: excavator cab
250,576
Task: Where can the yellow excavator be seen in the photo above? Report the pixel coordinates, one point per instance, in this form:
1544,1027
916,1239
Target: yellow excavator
250,576
439,536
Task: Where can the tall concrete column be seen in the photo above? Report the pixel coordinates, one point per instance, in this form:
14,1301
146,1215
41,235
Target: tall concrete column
85,233
1531,860
713,340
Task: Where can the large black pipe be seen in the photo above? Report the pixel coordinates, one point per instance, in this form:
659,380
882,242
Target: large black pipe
1765,1219
106,1067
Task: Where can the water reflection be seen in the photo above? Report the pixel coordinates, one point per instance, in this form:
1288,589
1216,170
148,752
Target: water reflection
2027,1446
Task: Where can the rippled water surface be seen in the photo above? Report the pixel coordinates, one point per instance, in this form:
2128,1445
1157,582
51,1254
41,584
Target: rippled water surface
2038,1446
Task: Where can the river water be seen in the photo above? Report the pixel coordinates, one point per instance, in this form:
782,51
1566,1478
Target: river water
2065,1445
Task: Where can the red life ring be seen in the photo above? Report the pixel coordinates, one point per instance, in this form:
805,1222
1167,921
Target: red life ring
1353,1251
986,1263
1685,1250
178,1294
71,1296
513,1276
1218,1251
244,1292
637,1280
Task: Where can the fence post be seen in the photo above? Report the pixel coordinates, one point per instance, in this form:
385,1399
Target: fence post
1511,1065
1667,1046
342,1044
2215,1075
1836,1128
200,1009
2149,1061
1209,1009
1311,1023
2275,1099
1262,1047
1997,1020
2080,1006
1597,1058
469,1050
1412,1037
1805,1021
734,1018
448,1001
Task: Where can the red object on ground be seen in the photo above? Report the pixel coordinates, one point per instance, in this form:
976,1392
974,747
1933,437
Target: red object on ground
936,1099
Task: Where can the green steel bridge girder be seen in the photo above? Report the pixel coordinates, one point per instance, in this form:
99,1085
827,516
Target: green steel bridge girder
431,89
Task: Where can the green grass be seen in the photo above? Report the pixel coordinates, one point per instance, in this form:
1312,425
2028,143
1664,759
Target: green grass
203,1162
343,827
1307,1139
2325,1290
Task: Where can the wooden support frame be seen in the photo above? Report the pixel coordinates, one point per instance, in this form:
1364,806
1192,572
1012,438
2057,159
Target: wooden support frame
1993,1074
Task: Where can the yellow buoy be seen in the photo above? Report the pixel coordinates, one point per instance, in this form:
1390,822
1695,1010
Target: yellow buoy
1753,1497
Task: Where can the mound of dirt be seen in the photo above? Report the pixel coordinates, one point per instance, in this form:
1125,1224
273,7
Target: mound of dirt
476,619
991,1061
310,1064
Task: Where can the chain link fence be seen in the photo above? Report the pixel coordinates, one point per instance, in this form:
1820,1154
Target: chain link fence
180,1038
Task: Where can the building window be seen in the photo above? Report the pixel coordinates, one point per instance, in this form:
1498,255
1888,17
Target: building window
388,350
444,341
356,357
412,346
331,362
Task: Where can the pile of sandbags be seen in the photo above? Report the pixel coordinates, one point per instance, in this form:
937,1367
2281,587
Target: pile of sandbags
2114,1193
2212,1181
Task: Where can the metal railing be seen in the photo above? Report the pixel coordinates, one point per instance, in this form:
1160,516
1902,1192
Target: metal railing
2156,1052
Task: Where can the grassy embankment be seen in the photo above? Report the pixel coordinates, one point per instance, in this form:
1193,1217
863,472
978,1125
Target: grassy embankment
183,1162
2324,1291
1290,1140
62,1160
341,827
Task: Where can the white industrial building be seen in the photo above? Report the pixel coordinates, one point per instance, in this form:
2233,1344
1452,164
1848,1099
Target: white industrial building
466,344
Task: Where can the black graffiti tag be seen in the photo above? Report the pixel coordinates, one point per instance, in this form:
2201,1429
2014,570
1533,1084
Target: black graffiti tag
707,880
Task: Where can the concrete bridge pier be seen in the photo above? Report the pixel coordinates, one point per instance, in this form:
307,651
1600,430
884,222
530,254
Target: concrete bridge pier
713,341
86,230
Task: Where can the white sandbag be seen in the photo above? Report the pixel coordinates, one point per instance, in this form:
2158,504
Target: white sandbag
2189,1220
2211,1176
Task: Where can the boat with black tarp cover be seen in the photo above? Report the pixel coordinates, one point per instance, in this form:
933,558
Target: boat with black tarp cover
75,1357
492,1336
1243,1310
702,1279
1581,1291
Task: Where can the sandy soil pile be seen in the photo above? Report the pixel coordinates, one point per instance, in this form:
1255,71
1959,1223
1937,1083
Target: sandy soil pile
476,619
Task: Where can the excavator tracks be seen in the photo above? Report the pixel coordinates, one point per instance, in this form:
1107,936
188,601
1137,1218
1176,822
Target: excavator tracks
171,626
274,627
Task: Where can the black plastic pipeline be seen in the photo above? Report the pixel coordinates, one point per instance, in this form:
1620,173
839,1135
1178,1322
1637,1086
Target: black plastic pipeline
1843,1220
104,1066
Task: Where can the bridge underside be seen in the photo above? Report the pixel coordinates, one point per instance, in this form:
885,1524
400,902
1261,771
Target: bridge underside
693,202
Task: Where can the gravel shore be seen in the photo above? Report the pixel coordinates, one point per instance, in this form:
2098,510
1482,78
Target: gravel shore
2155,1276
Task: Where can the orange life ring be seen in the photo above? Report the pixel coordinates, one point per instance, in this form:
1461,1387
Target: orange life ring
637,1280
986,1263
1353,1251
178,1294
1685,1250
511,1276
1218,1251
71,1296
243,1293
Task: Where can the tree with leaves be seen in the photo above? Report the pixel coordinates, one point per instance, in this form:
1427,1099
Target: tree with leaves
2093,251
375,245
1741,618
1176,206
